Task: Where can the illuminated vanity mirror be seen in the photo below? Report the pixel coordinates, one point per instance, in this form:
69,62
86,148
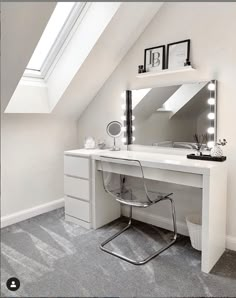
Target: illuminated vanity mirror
170,116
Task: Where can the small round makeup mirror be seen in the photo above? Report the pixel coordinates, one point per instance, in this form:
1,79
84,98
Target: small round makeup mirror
114,131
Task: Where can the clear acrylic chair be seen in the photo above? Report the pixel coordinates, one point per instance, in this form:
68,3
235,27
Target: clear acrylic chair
118,186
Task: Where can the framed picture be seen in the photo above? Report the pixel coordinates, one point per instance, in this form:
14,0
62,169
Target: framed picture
154,58
178,54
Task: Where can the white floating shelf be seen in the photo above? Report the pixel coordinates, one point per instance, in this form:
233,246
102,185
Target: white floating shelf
165,72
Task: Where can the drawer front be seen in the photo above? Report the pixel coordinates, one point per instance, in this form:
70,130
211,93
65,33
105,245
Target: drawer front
76,166
77,221
77,208
76,187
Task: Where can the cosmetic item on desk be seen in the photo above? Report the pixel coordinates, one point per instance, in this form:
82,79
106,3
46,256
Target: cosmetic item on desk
217,151
206,157
200,140
114,130
89,143
101,144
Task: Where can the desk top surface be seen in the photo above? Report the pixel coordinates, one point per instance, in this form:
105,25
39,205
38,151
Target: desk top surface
154,160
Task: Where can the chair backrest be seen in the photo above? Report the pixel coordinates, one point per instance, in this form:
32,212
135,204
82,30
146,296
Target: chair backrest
115,172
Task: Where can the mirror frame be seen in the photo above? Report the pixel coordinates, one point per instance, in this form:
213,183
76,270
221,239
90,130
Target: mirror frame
129,117
107,129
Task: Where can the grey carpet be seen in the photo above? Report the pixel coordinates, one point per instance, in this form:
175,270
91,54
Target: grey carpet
54,258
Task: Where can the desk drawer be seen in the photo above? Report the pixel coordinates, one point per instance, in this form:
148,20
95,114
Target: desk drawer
77,208
76,187
76,166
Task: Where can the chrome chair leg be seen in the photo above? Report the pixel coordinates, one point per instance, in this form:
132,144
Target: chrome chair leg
144,261
173,217
116,235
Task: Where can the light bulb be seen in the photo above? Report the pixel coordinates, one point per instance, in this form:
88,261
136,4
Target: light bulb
123,106
210,144
124,140
123,128
133,139
133,117
211,130
211,116
211,86
123,118
211,101
133,128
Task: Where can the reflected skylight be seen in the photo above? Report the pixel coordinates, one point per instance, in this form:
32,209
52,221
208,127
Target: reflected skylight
50,34
138,95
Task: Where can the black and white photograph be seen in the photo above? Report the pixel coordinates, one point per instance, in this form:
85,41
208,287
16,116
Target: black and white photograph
178,54
154,58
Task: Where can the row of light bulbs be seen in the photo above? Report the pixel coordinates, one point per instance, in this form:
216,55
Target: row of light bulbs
124,128
211,101
211,116
123,118
124,140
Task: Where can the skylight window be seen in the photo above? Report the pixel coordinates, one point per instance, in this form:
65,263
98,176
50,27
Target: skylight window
59,26
50,34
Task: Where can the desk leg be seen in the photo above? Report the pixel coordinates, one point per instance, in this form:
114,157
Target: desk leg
213,217
104,208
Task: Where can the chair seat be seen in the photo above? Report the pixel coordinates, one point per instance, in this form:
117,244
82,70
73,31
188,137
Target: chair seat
127,197
138,204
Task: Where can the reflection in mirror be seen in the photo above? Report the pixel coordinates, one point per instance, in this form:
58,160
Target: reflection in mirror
170,116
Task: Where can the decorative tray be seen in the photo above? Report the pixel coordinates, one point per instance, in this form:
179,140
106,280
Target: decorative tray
206,157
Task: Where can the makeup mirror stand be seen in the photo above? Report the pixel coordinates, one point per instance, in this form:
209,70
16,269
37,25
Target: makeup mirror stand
114,131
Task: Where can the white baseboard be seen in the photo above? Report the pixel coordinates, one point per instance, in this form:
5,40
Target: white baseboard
166,223
31,212
231,242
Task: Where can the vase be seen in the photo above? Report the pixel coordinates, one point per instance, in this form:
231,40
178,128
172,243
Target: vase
216,151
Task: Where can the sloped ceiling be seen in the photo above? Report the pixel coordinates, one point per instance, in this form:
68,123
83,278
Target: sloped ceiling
22,25
124,29
42,95
23,28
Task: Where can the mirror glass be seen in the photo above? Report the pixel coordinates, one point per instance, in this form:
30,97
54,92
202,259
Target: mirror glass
114,129
170,116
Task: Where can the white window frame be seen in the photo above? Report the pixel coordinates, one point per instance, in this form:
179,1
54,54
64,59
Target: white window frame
60,43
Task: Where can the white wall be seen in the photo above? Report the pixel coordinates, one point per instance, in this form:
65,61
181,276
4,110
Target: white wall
31,145
32,160
211,28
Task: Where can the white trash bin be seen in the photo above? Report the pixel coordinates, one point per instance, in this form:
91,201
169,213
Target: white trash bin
194,223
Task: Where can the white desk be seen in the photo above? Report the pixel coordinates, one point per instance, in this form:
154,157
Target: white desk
211,177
